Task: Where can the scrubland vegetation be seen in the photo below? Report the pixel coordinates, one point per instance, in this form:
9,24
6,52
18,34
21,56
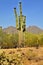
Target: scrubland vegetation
11,40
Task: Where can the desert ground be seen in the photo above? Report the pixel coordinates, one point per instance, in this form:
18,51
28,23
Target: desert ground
22,56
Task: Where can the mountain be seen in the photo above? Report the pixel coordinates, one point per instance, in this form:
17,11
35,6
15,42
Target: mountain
31,29
34,29
10,30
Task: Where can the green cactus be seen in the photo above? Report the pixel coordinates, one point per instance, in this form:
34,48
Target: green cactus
20,20
17,23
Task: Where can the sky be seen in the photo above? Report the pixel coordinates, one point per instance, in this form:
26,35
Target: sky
32,9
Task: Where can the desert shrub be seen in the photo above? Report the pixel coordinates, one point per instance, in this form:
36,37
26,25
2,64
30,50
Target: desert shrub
41,40
31,40
12,40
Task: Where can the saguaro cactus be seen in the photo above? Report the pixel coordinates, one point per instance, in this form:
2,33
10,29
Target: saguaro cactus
20,23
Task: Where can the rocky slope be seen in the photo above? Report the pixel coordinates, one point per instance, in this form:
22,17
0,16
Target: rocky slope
34,29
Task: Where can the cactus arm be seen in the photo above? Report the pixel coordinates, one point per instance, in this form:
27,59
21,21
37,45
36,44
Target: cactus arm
16,16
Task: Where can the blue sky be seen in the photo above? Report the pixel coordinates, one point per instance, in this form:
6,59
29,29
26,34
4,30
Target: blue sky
33,9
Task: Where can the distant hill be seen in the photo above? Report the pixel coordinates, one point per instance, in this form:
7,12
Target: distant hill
31,29
34,29
10,30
